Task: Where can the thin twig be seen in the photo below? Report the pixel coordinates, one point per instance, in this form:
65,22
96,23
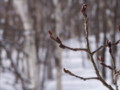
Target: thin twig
104,46
107,66
82,78
61,45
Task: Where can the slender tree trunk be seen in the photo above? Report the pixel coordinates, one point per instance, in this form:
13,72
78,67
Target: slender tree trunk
30,63
0,55
97,30
58,54
114,49
103,18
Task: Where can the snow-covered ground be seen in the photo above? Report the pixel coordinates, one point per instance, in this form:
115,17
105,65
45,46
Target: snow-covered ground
76,62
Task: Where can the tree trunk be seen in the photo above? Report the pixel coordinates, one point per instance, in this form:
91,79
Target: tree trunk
114,49
30,63
58,54
104,28
97,30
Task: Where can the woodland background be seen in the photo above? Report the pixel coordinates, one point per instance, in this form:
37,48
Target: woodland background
30,60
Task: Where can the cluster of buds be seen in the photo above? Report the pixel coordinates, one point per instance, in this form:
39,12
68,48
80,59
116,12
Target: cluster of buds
83,10
57,39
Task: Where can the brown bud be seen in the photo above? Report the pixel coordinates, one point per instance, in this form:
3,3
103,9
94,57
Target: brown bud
50,33
62,46
83,8
58,40
108,43
100,58
67,71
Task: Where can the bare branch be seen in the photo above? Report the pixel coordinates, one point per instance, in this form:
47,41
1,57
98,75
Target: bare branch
107,66
61,45
91,54
104,46
87,49
82,78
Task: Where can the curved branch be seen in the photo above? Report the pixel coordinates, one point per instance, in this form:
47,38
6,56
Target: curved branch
82,78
